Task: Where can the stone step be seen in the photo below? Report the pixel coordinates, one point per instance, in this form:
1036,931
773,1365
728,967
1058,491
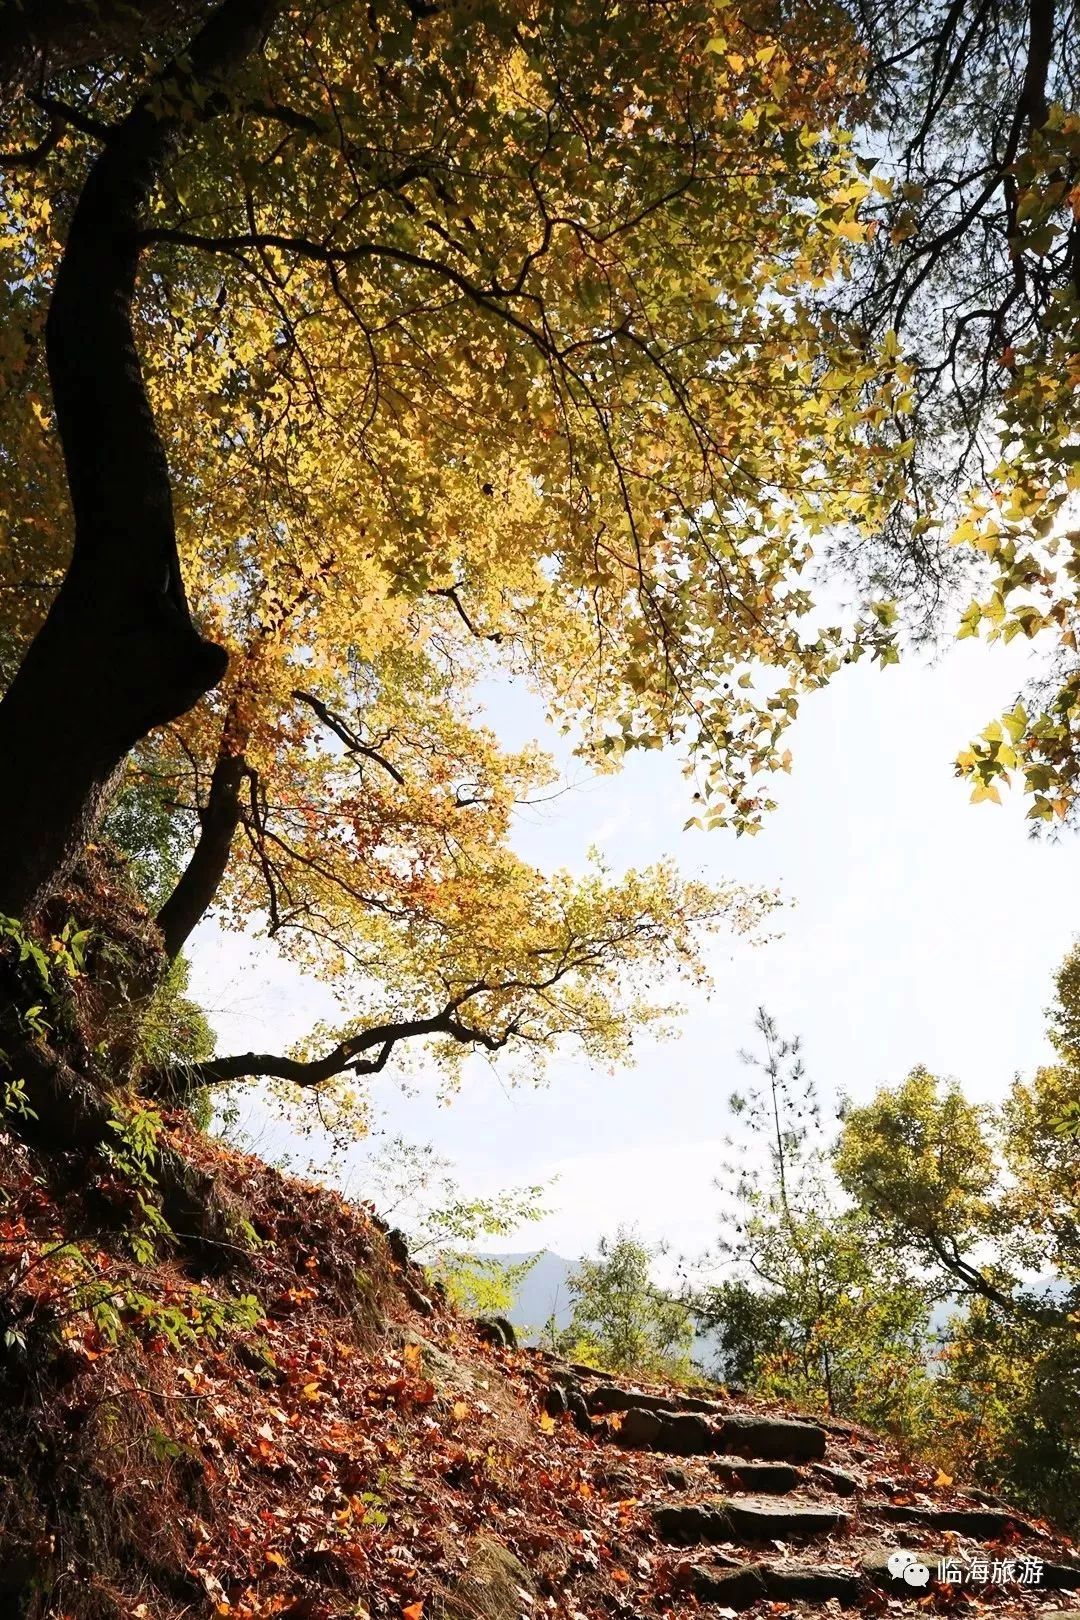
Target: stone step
690,1434
982,1523
686,1524
613,1398
778,1439
741,1474
684,1434
741,1585
737,1585
836,1479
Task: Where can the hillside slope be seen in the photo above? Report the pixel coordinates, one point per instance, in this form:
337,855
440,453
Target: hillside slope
343,1445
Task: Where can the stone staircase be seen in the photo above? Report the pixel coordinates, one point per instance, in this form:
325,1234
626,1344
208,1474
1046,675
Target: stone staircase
755,1507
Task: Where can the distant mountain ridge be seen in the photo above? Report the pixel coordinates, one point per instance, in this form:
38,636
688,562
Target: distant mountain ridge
544,1292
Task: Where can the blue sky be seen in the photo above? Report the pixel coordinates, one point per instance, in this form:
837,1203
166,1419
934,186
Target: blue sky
919,929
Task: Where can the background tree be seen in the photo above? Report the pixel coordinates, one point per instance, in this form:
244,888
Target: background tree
413,1187
974,266
816,1310
986,1201
621,1319
919,1271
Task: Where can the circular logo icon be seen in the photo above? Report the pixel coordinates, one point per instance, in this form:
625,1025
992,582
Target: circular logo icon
906,1566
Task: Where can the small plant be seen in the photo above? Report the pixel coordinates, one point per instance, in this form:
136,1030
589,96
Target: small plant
14,1098
200,1317
29,1006
133,1156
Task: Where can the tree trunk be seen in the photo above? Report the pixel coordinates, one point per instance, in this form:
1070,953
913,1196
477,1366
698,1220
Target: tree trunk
118,653
108,665
198,884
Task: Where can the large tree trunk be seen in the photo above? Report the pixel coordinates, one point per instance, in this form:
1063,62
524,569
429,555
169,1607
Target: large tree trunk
118,653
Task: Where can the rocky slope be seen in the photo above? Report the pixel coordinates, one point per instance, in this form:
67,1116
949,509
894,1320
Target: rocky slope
348,1446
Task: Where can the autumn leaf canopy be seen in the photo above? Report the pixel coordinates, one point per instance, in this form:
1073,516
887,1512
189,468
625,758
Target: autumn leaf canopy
482,340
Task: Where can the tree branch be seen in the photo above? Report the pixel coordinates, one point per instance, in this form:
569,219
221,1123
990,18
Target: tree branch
976,1282
198,883
490,298
345,1058
450,592
42,38
341,729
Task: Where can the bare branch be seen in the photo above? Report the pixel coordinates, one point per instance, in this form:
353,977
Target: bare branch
342,730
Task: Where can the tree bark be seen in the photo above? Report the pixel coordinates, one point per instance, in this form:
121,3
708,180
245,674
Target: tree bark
118,654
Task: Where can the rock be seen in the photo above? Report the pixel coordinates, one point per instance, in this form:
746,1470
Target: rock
579,1411
790,1583
685,1434
986,1524
567,1398
640,1429
571,1370
736,1588
775,1438
452,1378
416,1299
497,1330
745,1584
494,1586
987,1498
875,1569
1060,1578
622,1480
612,1398
843,1484
691,1434
399,1248
257,1357
555,1402
738,1474
724,1520
676,1477
875,1566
